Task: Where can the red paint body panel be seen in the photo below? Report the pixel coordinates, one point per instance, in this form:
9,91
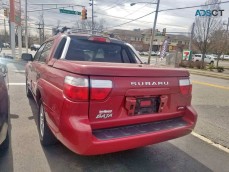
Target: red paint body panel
73,122
117,69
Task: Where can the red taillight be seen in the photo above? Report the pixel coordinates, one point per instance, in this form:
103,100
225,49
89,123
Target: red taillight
76,89
185,86
99,39
100,89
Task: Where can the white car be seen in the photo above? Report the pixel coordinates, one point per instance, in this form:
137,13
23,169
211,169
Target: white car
35,47
153,53
145,53
208,59
224,57
6,45
213,55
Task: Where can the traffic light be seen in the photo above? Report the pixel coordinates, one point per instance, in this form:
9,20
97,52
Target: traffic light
84,14
5,13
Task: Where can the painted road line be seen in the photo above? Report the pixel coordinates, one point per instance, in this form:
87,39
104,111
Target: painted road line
16,84
211,85
19,71
225,149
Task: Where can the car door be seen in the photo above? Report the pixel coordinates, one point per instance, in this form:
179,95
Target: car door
33,69
42,62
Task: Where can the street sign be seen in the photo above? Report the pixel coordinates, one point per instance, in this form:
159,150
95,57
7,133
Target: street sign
70,12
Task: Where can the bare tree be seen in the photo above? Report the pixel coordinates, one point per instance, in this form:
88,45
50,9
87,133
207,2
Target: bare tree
205,27
218,43
86,25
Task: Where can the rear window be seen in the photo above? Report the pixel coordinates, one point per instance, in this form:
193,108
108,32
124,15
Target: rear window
85,50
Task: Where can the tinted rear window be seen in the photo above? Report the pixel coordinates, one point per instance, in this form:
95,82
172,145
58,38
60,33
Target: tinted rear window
85,50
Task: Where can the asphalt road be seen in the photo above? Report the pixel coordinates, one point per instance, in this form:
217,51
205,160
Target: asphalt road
211,101
188,153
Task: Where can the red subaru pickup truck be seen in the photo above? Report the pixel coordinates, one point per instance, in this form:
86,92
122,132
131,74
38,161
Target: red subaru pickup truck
96,97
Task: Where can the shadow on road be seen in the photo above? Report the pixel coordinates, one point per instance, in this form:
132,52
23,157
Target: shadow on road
160,157
6,156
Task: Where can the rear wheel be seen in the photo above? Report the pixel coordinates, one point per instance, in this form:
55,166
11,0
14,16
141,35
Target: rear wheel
28,91
5,143
46,135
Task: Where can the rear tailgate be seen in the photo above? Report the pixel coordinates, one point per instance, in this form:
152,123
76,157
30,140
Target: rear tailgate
134,100
126,94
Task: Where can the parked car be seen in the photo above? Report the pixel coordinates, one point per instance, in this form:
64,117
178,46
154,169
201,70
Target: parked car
153,53
141,53
6,45
146,53
224,57
4,108
208,59
35,47
96,96
213,55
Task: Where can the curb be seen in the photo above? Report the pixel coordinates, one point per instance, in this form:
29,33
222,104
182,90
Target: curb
210,74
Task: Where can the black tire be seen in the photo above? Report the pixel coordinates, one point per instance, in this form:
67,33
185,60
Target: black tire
28,91
5,143
46,136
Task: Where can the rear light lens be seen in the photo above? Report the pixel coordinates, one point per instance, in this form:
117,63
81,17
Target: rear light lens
185,86
99,39
76,89
100,89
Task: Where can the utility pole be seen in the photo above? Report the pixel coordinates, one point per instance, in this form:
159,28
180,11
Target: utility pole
39,27
191,37
226,42
12,27
227,24
92,16
19,31
5,30
43,25
153,32
26,26
9,39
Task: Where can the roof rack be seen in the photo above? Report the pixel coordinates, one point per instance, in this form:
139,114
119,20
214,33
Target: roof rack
66,30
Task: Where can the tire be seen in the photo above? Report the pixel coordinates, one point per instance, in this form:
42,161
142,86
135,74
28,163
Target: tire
5,143
28,91
46,136
211,63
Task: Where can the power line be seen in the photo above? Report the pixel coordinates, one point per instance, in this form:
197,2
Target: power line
114,5
170,9
135,11
122,18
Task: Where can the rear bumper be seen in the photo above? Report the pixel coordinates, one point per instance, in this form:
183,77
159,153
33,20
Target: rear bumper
77,135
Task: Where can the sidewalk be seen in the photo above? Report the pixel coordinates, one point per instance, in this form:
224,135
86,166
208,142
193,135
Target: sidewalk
224,75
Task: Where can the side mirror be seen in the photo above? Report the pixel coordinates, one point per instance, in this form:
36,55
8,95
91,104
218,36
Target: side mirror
27,57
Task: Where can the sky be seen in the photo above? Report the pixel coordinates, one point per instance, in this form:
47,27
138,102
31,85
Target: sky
117,12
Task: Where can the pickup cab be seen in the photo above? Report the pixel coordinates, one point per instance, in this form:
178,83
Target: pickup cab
95,96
